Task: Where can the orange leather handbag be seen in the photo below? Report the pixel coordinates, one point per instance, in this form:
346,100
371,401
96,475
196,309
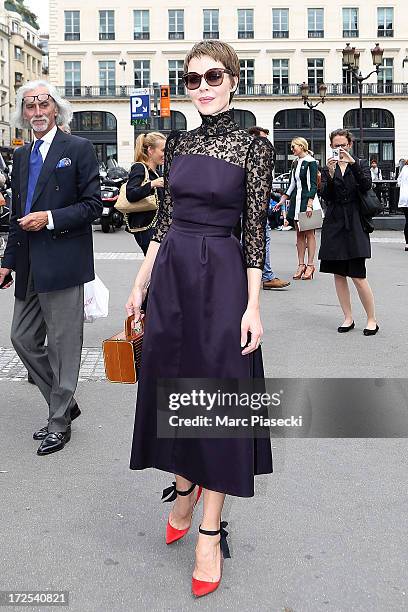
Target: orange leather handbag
122,353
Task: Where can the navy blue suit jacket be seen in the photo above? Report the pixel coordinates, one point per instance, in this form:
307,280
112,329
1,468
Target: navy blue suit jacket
63,257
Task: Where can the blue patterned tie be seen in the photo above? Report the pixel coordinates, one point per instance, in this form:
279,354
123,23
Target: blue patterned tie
36,163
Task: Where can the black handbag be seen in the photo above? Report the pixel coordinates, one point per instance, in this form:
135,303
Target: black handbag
367,223
370,205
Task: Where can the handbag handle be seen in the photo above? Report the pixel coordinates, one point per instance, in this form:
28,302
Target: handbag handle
130,332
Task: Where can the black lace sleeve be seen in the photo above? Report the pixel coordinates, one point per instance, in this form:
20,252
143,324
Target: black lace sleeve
259,166
166,206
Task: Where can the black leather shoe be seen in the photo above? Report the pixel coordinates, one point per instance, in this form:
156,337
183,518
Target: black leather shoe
54,442
343,330
370,332
43,432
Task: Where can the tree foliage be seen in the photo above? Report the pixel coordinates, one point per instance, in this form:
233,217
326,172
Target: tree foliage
19,7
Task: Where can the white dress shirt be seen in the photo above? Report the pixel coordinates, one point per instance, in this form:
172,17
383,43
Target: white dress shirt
44,148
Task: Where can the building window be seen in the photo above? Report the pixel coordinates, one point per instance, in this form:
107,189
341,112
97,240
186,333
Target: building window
106,25
349,81
385,18
107,78
246,76
386,75
15,27
211,28
280,76
350,23
280,23
244,118
245,23
141,28
176,77
72,73
71,19
18,54
315,74
315,20
176,24
18,79
141,70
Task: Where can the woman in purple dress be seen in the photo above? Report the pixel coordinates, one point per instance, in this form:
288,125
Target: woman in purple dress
204,301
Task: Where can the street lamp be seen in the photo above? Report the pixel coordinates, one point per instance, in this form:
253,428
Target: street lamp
351,61
123,63
304,91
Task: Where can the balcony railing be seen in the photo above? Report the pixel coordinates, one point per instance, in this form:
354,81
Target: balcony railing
106,35
72,36
350,33
176,35
245,33
280,34
4,29
315,33
141,35
257,90
388,33
213,35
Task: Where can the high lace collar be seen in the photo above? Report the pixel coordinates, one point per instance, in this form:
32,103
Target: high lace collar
216,125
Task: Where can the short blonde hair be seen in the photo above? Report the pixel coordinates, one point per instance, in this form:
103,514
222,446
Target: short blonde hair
143,142
301,142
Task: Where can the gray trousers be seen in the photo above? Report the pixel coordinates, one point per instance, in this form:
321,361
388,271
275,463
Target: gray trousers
59,316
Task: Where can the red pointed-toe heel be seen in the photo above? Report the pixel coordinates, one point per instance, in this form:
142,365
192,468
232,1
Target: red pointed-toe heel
173,534
202,587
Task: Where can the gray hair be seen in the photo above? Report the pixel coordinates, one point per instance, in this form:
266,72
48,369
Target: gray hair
64,107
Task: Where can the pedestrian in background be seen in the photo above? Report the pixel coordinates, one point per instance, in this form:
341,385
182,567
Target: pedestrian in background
403,198
269,279
344,244
149,154
376,174
56,196
302,193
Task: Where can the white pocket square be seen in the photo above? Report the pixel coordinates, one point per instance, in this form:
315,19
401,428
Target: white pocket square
63,163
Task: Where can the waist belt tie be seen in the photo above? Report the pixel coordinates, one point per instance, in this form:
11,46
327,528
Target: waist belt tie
201,229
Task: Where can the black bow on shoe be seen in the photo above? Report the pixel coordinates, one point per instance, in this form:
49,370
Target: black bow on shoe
223,542
170,491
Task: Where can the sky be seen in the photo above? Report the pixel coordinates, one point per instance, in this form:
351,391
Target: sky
40,8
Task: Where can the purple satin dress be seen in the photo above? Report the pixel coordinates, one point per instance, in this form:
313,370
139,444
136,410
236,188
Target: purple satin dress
198,294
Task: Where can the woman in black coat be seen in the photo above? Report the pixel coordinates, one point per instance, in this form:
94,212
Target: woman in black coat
344,244
149,154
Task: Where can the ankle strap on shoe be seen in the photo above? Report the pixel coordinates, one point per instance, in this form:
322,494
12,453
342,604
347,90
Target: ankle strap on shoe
223,541
173,492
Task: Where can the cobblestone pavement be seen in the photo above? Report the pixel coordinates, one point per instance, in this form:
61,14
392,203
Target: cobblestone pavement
92,366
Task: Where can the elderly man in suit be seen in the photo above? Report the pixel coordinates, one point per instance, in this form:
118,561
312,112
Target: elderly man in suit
56,196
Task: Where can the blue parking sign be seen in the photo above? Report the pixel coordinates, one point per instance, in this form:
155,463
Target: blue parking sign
140,104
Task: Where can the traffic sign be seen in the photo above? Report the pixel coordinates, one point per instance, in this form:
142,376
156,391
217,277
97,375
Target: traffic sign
140,104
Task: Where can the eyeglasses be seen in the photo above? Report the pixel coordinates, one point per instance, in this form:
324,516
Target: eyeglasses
343,144
29,101
214,77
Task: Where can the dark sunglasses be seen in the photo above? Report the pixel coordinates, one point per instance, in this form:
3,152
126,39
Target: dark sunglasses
214,77
41,98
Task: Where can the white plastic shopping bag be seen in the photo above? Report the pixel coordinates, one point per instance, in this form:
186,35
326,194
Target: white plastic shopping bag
96,300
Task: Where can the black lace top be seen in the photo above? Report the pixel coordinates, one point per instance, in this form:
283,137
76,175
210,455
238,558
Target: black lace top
219,136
